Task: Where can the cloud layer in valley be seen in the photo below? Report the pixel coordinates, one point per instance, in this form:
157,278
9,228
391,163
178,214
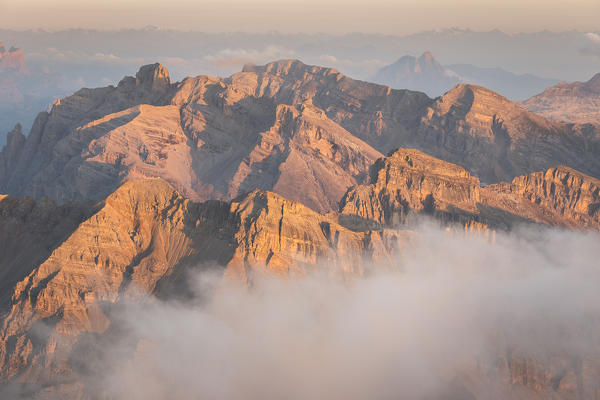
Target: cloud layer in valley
446,306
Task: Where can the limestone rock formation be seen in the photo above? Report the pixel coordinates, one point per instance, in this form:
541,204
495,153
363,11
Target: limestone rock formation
496,140
305,132
68,266
210,138
558,196
577,102
148,150
409,181
140,241
29,230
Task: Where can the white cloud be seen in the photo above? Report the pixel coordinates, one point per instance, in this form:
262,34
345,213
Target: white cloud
362,68
452,301
591,44
105,57
232,60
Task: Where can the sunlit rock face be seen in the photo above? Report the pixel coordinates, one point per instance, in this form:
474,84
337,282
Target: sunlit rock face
409,181
576,102
80,260
140,241
304,132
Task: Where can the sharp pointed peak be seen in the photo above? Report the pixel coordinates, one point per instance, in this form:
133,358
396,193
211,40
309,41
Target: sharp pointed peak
594,82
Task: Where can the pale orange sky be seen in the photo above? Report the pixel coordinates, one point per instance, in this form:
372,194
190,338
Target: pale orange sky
288,16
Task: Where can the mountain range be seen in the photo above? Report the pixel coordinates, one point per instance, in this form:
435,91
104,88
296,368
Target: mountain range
283,168
302,131
66,267
427,75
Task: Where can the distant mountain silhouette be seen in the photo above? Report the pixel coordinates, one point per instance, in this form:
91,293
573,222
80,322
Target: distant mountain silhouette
426,74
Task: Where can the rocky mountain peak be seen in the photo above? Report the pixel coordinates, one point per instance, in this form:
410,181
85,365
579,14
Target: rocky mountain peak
477,99
575,102
428,56
418,161
594,83
409,181
15,140
428,63
153,192
153,76
290,68
423,73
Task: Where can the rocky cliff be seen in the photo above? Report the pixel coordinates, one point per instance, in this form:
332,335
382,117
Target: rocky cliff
305,132
409,181
140,241
68,267
576,102
496,139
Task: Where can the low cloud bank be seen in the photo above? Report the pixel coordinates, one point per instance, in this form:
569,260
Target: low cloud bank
454,304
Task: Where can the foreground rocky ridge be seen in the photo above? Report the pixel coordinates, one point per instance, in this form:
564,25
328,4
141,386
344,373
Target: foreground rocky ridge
303,131
70,265
141,241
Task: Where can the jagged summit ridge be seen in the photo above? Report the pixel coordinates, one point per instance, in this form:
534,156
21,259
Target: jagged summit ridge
153,76
306,132
409,181
284,68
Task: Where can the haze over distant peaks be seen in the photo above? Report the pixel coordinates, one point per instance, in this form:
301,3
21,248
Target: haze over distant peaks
23,92
426,74
423,74
12,60
577,102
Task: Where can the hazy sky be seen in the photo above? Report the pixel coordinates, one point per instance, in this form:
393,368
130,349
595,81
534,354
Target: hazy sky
331,16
